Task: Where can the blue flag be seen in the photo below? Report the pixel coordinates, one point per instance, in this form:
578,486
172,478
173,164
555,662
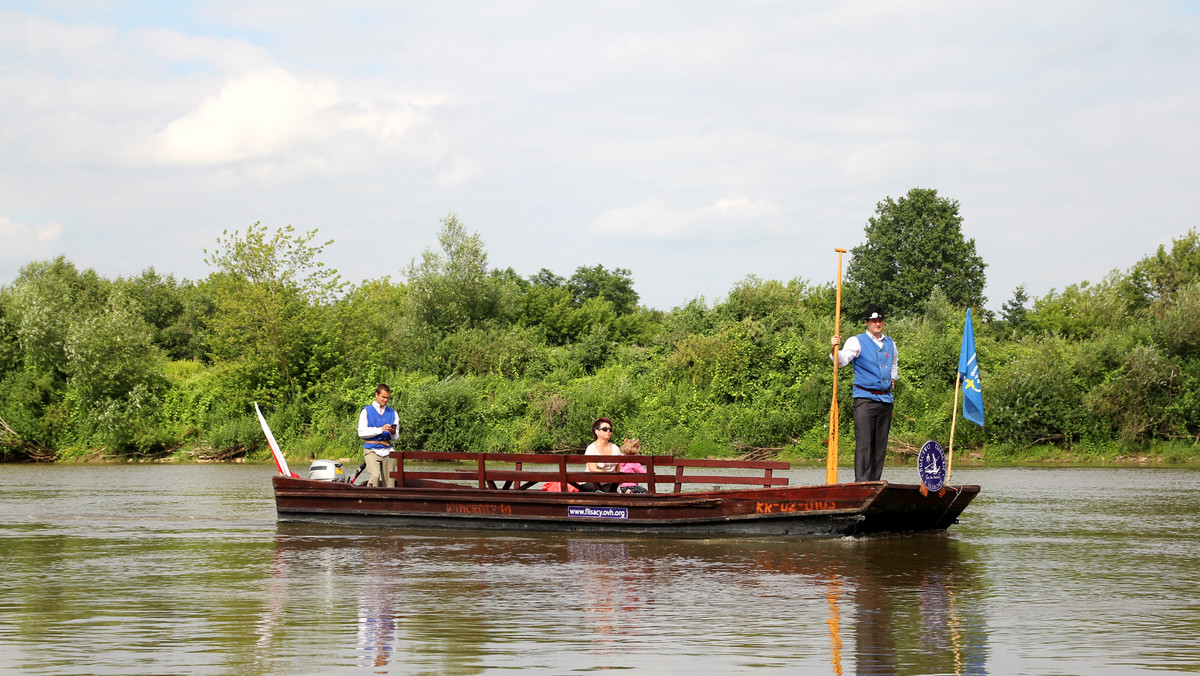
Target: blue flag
968,367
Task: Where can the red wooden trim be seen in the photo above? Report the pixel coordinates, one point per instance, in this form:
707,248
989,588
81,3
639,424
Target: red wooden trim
485,478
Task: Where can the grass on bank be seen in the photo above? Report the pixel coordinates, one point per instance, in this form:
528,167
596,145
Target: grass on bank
807,453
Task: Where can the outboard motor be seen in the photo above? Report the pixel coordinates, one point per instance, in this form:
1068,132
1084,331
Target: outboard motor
326,470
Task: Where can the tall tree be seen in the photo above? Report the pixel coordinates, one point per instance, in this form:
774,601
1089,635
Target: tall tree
269,298
451,289
115,374
1013,312
914,244
1153,281
615,286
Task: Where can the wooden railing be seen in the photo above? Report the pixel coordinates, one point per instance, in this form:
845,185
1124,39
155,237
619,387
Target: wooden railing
507,471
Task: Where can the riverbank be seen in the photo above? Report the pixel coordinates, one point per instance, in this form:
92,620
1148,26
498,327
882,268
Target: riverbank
1179,454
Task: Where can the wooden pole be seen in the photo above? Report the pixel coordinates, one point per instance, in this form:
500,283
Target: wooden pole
831,455
953,421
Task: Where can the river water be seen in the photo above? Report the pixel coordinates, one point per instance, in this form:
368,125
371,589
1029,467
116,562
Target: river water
154,569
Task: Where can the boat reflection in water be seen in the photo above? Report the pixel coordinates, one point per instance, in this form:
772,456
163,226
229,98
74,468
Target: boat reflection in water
463,601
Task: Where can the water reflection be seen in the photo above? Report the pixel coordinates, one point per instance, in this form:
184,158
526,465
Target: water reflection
873,606
376,617
149,570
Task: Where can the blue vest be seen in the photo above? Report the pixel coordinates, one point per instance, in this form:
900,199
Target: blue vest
873,369
376,419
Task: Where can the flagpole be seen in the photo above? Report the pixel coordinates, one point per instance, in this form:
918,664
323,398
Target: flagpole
831,455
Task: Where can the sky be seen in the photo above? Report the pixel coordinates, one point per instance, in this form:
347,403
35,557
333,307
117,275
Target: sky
693,143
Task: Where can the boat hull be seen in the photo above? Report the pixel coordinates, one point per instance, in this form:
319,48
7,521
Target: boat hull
803,511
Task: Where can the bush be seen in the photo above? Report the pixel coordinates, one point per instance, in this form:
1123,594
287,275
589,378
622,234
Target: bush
441,416
242,433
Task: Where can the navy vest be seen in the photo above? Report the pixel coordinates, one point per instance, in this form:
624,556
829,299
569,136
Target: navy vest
383,440
873,369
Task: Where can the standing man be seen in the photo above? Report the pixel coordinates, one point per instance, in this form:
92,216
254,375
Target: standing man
377,427
875,369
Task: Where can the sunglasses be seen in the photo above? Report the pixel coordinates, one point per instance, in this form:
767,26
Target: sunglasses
603,429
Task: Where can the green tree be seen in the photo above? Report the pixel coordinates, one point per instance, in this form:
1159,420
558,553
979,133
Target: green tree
269,300
176,311
47,297
115,376
1014,312
615,286
1154,280
451,289
914,244
1080,310
546,278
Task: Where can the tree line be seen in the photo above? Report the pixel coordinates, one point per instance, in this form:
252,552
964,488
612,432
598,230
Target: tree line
482,358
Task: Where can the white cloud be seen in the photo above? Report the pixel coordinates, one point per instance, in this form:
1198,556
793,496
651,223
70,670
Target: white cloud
24,242
254,115
759,135
459,170
652,218
224,55
274,115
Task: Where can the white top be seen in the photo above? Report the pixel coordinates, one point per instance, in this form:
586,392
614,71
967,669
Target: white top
592,449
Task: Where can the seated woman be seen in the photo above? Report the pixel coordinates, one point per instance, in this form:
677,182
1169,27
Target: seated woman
632,447
603,445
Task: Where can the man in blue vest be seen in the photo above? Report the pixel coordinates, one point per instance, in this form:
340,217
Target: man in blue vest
377,427
875,370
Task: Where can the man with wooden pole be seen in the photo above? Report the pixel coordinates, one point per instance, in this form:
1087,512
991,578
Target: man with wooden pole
875,371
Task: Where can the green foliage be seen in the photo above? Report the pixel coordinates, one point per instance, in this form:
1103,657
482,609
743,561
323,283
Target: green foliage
1079,311
1014,312
488,360
451,289
115,377
33,413
513,353
615,286
44,301
239,434
271,298
443,415
1175,328
914,244
1140,398
1153,280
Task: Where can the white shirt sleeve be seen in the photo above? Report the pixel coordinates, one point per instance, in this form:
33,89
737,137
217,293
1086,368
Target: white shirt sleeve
850,351
363,430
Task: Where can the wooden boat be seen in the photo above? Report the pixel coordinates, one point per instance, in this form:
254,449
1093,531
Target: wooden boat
502,491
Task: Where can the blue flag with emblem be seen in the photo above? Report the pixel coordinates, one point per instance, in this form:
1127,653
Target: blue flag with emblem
968,368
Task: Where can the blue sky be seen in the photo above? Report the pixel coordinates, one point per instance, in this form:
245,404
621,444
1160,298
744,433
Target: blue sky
693,143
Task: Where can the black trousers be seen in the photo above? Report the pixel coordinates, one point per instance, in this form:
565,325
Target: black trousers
872,422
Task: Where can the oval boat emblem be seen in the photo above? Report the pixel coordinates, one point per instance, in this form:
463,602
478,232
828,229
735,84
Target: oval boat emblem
931,463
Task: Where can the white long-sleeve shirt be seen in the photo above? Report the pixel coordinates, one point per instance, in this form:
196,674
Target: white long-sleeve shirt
365,431
851,349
